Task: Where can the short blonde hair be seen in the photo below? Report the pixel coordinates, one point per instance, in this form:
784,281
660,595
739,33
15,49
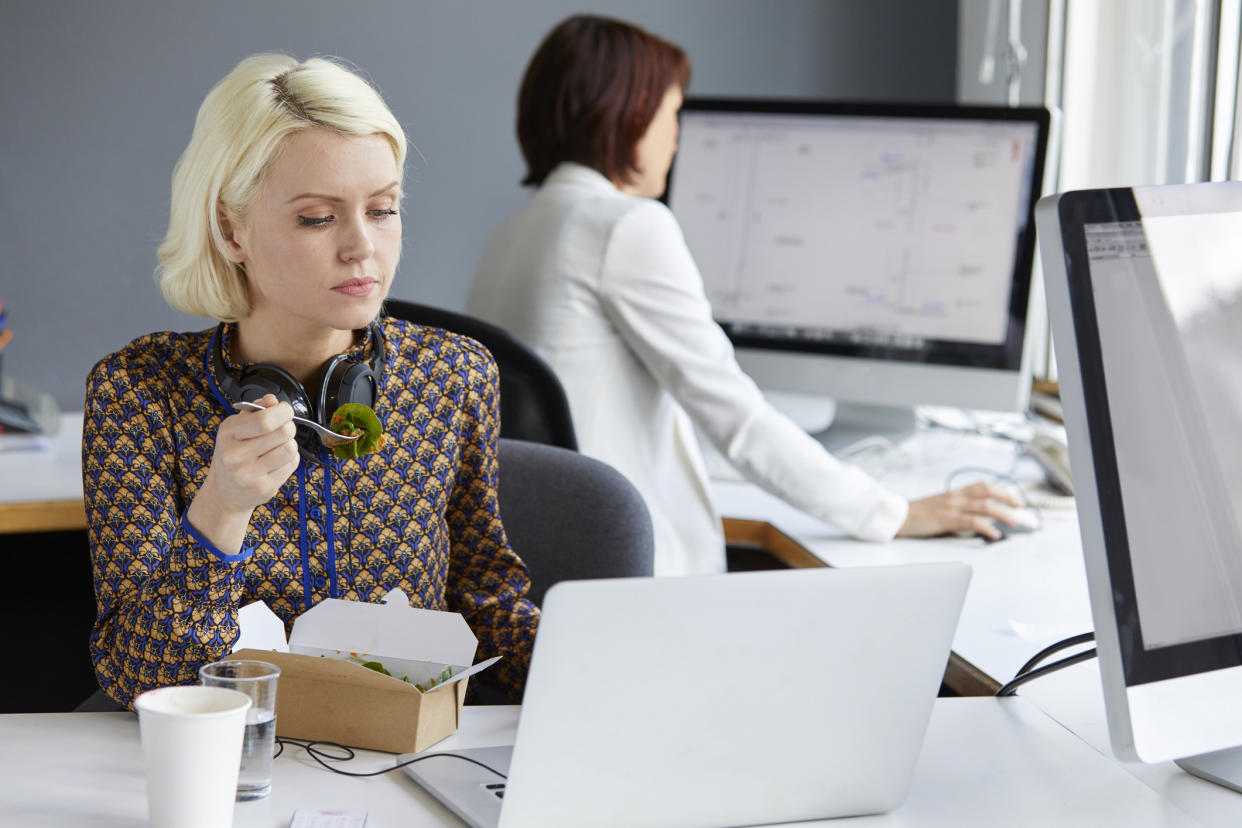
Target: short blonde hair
239,130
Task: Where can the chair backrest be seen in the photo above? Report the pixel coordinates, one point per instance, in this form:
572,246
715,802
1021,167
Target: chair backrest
571,517
533,405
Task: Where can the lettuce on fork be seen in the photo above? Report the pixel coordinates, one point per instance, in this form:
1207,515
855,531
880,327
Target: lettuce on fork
356,418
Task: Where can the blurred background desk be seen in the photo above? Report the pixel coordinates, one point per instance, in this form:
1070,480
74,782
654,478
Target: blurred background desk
41,480
1027,591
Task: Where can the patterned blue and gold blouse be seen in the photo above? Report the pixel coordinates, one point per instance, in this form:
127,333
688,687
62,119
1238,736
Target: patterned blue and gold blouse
420,514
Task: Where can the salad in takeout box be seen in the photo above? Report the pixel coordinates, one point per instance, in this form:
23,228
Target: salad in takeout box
330,689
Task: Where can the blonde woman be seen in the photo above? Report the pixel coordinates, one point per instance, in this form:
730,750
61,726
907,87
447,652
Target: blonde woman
285,226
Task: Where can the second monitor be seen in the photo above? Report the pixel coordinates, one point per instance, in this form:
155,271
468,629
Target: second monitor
876,254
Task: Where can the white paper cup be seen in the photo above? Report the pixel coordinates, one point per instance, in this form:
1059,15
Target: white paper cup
191,739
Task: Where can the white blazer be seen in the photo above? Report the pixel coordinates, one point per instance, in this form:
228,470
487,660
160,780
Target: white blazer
602,285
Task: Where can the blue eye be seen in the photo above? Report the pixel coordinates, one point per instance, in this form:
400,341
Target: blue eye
383,214
306,221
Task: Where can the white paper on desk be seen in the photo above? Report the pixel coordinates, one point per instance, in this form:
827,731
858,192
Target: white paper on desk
1045,633
24,442
260,629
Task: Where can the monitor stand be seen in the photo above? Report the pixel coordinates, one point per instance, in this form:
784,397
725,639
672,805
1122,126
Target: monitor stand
1224,767
838,424
856,422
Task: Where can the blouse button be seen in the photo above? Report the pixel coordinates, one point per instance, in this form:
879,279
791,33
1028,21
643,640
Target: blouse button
315,512
320,581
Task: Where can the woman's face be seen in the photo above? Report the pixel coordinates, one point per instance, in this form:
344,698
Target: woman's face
322,237
653,155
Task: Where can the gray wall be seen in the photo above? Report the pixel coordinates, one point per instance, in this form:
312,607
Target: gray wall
97,100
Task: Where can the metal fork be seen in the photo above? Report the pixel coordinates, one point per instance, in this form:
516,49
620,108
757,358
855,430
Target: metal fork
328,437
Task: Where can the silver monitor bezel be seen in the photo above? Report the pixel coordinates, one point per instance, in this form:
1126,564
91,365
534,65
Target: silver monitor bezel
1167,702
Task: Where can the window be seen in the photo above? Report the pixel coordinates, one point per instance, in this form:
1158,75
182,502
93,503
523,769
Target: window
1147,91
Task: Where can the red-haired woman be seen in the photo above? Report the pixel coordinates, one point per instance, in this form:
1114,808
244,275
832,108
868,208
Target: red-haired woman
594,273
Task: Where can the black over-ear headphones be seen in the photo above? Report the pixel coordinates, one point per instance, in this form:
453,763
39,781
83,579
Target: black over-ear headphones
344,381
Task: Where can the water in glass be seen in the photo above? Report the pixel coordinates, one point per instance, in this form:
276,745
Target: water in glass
258,747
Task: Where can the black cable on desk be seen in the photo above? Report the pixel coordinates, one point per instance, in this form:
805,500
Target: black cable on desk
1055,648
1027,673
316,752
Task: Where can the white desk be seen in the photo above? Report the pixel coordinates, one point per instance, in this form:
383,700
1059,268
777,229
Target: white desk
1026,592
986,762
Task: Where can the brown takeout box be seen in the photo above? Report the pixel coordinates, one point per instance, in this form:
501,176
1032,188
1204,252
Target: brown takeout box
322,696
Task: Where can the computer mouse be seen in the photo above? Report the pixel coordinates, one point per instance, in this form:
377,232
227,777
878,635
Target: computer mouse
999,527
1021,520
1002,532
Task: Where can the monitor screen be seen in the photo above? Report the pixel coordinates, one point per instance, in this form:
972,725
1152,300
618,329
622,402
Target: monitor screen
1182,276
870,234
1146,300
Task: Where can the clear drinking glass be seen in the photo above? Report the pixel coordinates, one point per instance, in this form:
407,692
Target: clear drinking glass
257,679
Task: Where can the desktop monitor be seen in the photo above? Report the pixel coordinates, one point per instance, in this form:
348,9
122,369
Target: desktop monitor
1145,298
876,254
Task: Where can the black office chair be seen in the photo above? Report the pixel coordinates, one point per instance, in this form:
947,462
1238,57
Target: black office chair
533,405
570,517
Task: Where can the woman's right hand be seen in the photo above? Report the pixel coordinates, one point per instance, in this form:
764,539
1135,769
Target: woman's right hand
255,454
972,508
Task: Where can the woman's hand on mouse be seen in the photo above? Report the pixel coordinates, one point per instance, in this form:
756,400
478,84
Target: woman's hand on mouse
972,508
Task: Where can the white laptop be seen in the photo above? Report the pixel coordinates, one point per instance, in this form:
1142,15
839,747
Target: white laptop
724,700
